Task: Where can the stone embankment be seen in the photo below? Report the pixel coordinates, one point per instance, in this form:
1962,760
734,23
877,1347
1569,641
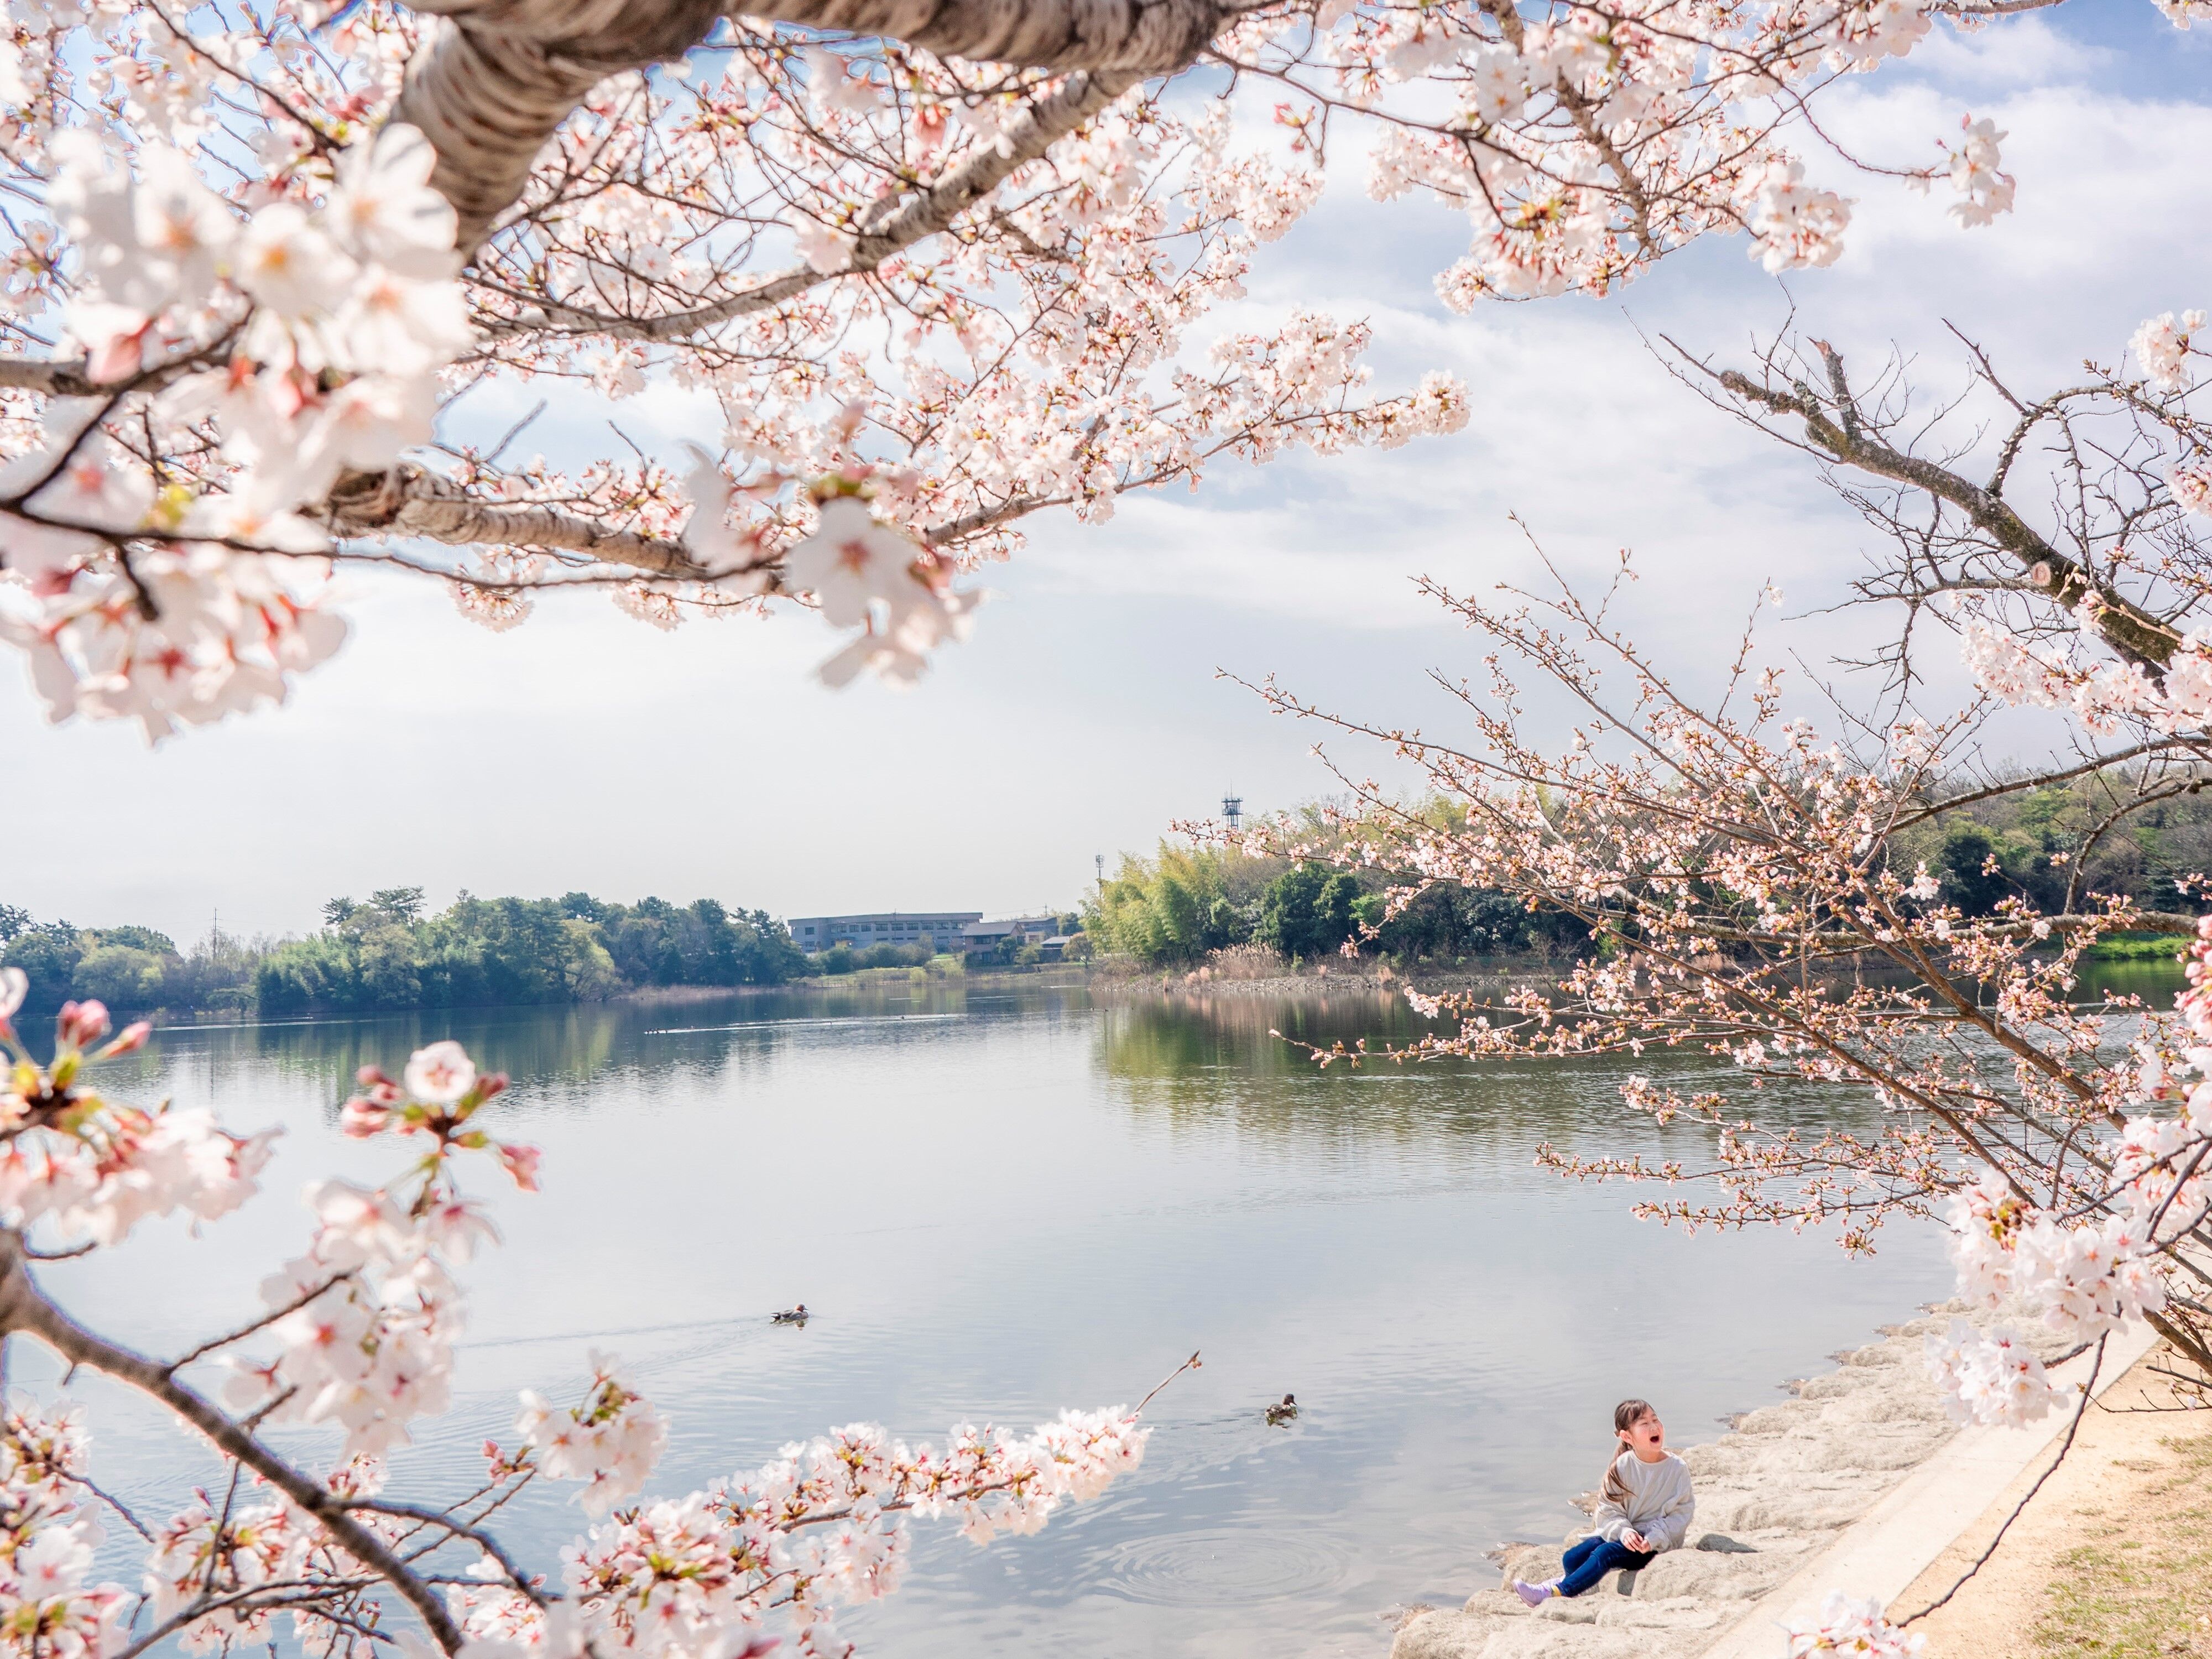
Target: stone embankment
1784,1482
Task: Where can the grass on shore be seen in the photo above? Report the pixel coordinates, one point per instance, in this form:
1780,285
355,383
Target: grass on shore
2139,947
2144,1589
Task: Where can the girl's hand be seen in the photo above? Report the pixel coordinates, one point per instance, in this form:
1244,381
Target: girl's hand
1634,1539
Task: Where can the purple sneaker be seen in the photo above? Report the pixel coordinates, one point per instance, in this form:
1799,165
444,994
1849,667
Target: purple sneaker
1534,1594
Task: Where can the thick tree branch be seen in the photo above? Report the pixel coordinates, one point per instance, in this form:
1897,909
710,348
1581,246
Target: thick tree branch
2125,626
495,78
55,380
410,500
1149,37
23,1308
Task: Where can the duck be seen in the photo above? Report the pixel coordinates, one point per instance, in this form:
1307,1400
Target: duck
1284,1412
797,1316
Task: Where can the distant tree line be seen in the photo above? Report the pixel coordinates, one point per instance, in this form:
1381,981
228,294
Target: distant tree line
2117,831
131,969
385,953
1186,901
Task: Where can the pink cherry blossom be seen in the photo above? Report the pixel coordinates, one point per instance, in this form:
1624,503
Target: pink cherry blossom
440,1074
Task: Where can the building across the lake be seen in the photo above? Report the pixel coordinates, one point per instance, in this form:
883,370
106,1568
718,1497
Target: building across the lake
940,930
981,935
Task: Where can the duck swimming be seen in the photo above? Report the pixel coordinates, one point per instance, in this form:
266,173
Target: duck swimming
797,1316
1284,1412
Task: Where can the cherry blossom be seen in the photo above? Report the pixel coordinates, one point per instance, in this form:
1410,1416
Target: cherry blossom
611,1442
47,1603
1846,1625
1986,191
439,1074
2161,348
93,1168
1794,224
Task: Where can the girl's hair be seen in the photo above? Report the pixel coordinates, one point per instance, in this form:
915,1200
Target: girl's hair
1624,1417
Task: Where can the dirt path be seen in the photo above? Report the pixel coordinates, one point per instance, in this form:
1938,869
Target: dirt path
2113,1558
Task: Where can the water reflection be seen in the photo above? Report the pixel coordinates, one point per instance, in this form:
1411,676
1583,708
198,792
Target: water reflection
1002,1199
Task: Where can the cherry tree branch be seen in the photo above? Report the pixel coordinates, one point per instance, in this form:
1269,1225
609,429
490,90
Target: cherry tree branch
1841,435
2087,1388
410,500
23,1308
483,1539
267,1319
494,78
1148,37
906,222
55,380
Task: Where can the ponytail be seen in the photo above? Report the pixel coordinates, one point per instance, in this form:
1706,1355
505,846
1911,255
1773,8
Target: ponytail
1612,1489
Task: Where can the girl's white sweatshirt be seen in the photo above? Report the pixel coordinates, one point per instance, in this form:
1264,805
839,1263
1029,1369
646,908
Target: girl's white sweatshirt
1658,1506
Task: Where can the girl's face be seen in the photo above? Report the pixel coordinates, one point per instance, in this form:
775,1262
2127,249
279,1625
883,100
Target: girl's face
1646,1436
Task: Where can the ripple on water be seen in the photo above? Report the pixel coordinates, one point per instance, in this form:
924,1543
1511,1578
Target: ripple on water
1217,1565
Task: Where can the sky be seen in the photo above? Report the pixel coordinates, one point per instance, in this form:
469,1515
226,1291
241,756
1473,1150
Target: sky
1088,714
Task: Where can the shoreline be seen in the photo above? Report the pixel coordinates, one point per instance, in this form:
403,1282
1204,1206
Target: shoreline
1857,1482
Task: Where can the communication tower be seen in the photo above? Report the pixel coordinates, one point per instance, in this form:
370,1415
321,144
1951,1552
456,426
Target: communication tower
1232,808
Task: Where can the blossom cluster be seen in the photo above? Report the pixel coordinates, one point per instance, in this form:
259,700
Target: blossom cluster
218,1567
611,1441
814,1529
2100,693
271,351
1989,1378
367,1317
2162,346
1584,144
49,1605
1847,1625
2086,1272
94,1168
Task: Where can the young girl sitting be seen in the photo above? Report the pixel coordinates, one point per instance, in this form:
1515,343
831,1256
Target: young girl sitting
1644,1507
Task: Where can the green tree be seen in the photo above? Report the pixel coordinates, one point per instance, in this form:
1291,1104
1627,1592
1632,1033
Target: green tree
1180,904
1971,880
404,903
1305,912
127,979
138,939
48,953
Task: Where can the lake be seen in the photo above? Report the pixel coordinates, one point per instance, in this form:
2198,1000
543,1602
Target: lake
1004,1199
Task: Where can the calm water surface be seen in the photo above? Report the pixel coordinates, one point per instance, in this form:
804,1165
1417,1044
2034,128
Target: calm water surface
1000,1202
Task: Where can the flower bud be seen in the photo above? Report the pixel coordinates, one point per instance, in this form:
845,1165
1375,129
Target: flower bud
80,1024
359,1118
521,1162
131,1038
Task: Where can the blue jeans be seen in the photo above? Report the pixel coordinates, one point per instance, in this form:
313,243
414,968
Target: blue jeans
1591,1560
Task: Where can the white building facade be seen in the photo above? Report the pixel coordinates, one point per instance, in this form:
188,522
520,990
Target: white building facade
940,930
